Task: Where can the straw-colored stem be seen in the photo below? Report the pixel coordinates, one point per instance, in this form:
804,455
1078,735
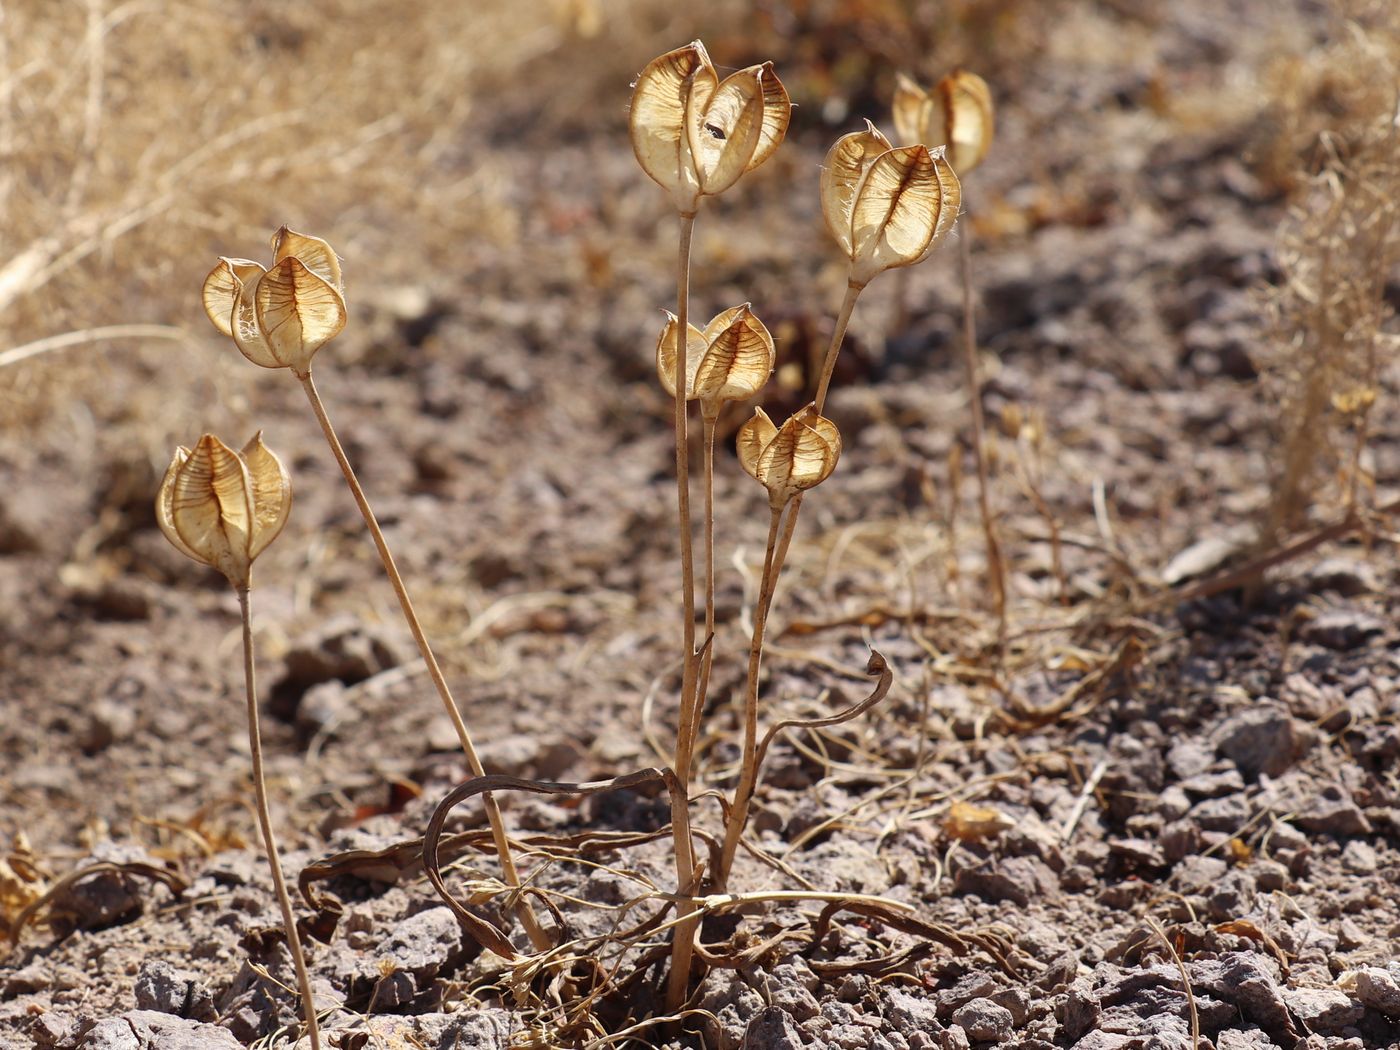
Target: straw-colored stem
838,336
274,862
683,946
774,559
687,728
996,566
536,933
748,765
702,685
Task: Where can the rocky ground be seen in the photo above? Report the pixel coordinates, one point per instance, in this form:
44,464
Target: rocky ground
1166,819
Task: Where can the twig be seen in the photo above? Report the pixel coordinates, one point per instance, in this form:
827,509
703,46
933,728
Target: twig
92,335
1085,793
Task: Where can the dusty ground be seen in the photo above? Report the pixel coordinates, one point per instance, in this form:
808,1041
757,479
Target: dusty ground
1191,792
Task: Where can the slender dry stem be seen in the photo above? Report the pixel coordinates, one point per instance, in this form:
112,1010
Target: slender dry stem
996,565
308,1005
748,767
688,723
536,933
687,727
838,336
702,685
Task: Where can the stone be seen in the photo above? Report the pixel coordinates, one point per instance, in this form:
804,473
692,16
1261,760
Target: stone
162,988
1359,857
1333,812
148,1030
1341,629
1379,988
908,1014
103,898
772,1029
1016,879
983,1020
1326,1010
1263,740
424,944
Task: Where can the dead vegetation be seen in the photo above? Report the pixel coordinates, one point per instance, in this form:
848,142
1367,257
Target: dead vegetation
1073,645
1332,314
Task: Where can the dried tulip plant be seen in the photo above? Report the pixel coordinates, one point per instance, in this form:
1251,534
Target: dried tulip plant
695,135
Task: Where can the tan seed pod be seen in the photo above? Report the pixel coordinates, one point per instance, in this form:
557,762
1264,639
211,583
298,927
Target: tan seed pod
886,208
666,356
312,252
729,361
279,318
738,359
694,134
222,507
786,460
222,286
297,312
956,113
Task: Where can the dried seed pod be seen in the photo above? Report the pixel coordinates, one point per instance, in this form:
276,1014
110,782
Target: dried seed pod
221,289
786,460
222,507
739,358
280,317
886,207
666,356
694,134
956,113
729,361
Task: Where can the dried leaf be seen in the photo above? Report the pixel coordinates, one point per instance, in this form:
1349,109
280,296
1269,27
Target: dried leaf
298,312
968,823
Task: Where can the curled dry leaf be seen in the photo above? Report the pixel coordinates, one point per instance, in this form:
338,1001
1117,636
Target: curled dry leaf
957,114
730,360
886,207
222,507
695,134
970,823
786,460
280,317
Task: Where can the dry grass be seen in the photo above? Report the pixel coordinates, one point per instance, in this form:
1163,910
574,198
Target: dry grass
1338,249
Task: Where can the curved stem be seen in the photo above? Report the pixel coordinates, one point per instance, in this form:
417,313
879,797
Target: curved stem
838,336
536,933
996,566
284,901
748,767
